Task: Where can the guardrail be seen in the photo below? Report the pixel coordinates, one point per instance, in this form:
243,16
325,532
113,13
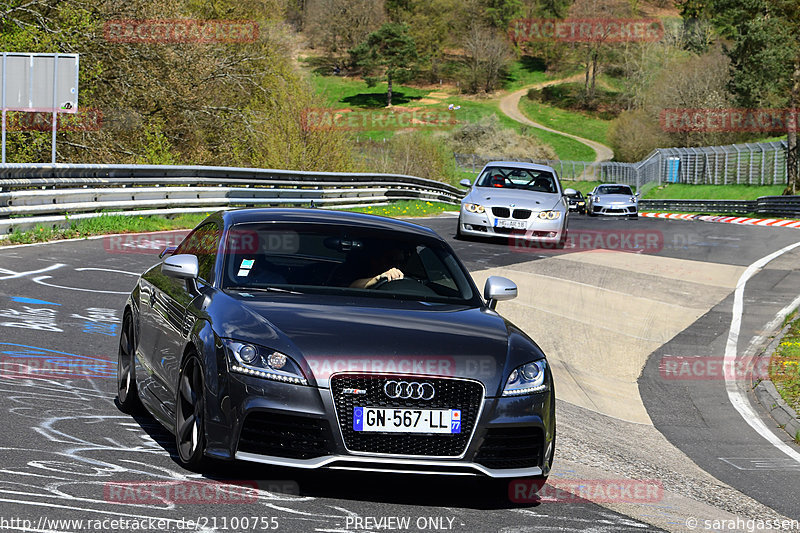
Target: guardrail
55,194
783,206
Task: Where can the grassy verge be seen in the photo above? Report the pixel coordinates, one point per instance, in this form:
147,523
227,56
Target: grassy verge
339,91
406,208
110,224
103,225
784,370
573,122
681,191
527,71
584,187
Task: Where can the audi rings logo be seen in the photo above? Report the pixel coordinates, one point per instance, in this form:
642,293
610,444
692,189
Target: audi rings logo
405,390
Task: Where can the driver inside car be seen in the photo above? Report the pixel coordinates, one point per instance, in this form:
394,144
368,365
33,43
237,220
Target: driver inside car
387,263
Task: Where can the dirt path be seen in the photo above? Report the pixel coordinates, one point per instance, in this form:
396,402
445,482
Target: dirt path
509,105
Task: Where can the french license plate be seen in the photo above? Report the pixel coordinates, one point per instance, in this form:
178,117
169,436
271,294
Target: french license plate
516,224
406,420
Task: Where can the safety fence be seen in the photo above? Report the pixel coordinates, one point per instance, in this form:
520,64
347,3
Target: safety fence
741,164
34,194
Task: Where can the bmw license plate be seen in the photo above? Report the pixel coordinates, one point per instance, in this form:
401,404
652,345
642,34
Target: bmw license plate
407,420
516,224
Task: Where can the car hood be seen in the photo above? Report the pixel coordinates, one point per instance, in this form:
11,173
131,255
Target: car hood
376,335
607,198
535,201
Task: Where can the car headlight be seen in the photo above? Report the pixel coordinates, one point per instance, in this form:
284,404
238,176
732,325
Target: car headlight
474,208
549,215
581,203
258,361
633,199
527,379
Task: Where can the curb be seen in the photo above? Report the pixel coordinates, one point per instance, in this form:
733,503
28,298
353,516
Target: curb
778,222
766,393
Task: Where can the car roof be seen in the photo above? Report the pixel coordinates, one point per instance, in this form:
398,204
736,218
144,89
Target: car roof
518,164
613,185
322,216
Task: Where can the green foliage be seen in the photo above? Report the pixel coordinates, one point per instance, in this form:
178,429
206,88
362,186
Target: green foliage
412,153
157,148
683,191
499,13
784,370
102,225
406,208
217,103
391,53
582,124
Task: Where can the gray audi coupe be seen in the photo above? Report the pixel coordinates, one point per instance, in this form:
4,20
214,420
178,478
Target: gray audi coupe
309,338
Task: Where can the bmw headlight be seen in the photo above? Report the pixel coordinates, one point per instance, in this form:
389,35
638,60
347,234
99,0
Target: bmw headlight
549,215
474,208
633,199
527,379
258,361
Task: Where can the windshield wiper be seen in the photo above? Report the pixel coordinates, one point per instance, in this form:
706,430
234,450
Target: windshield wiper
262,289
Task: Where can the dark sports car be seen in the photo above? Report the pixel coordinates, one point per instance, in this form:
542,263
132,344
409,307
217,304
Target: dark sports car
309,338
576,201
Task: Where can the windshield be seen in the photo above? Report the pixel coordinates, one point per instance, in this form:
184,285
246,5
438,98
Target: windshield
615,189
333,259
519,178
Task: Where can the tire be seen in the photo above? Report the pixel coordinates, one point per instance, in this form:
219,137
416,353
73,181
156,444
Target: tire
562,242
127,395
634,217
190,414
459,235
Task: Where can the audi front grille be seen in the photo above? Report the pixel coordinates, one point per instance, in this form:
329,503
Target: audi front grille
451,393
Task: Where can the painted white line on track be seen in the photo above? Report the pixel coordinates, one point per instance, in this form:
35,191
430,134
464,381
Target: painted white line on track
737,399
14,275
40,281
108,270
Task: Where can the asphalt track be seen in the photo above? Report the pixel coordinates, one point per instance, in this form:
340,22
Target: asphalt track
64,440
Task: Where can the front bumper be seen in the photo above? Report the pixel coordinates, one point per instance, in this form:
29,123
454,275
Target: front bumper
532,228
615,209
297,426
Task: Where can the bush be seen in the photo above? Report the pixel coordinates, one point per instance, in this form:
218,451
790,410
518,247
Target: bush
634,135
488,139
414,154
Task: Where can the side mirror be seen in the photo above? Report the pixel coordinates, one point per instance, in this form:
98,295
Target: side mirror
497,289
637,194
183,266
570,192
169,250
465,183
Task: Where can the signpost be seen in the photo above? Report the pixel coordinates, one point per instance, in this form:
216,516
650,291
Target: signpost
38,83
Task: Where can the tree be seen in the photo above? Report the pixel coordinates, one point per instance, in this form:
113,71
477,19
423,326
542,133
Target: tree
339,25
598,46
765,60
388,53
486,55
